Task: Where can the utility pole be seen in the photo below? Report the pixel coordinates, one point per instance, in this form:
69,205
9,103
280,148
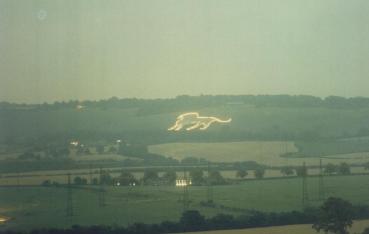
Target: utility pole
18,179
101,190
185,191
321,191
69,210
90,173
305,197
209,194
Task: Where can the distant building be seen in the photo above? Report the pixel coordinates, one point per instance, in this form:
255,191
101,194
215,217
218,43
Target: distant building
3,219
182,182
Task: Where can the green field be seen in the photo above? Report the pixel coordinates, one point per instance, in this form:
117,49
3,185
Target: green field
32,207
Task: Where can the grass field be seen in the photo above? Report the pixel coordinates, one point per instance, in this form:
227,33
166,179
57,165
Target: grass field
357,227
32,207
263,152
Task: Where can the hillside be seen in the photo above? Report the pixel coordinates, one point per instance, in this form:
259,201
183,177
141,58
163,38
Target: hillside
148,120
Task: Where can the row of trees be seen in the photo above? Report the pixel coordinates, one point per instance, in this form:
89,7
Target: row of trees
184,101
342,169
329,169
197,176
258,173
152,177
334,216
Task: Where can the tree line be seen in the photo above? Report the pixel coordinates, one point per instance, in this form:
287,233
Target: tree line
149,106
335,216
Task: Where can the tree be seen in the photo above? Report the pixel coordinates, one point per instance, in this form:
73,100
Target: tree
126,178
112,149
241,173
259,173
335,215
216,178
344,169
58,152
330,169
79,150
100,149
133,150
79,180
192,220
301,171
197,176
222,221
27,155
106,178
190,160
87,151
366,231
46,183
170,177
94,181
287,171
64,151
366,166
150,175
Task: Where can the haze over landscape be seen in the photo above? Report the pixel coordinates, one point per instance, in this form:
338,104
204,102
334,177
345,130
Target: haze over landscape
131,117
90,49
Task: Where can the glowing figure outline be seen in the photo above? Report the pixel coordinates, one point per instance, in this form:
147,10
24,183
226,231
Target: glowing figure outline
200,122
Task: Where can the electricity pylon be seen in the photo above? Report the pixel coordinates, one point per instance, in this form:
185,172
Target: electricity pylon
305,195
185,192
69,211
101,190
321,195
209,193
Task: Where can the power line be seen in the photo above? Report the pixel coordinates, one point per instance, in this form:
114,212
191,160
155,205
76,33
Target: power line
90,173
69,211
209,192
185,191
101,190
321,192
18,179
305,196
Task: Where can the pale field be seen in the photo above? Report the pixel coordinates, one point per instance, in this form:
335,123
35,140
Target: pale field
358,227
263,152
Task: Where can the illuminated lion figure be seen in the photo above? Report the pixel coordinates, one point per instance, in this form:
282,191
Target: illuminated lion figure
194,121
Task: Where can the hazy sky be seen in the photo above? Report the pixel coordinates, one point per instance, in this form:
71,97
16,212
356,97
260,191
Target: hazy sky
60,50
